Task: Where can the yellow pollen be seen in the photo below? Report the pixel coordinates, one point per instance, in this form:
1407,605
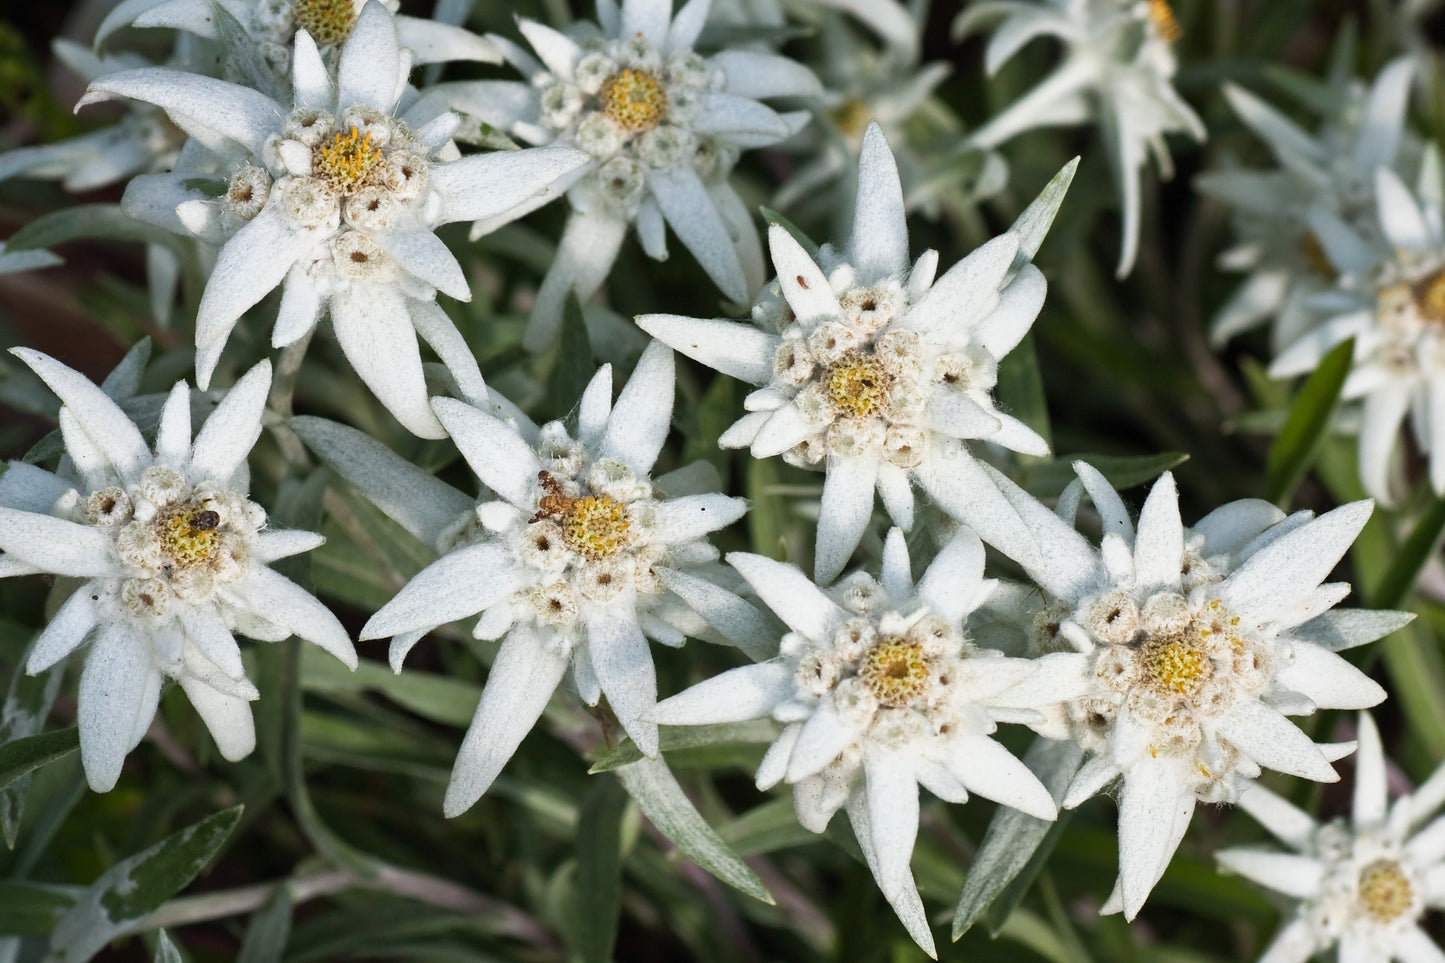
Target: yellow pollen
328,21
1177,665
1430,297
347,164
852,117
633,99
596,527
188,536
895,671
1315,257
1161,15
858,385
1385,891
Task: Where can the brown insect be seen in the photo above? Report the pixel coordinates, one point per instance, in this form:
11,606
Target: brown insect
205,521
554,504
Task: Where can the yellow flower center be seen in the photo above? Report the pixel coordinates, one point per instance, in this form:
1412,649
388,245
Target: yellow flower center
633,99
596,527
347,164
328,21
188,535
1430,297
1161,15
1385,891
1178,665
858,385
852,117
895,671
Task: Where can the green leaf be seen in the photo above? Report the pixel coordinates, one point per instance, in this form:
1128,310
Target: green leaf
1021,389
104,221
1414,552
134,888
807,243
27,704
663,802
451,702
27,908
1298,445
166,951
1045,479
574,365
24,756
679,738
1032,226
597,889
269,929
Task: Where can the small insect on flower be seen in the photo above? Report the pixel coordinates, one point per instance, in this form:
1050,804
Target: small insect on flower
554,504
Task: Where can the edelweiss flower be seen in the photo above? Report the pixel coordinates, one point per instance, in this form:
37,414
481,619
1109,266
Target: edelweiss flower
878,374
1363,885
1395,310
339,198
580,562
1118,69
662,126
880,691
271,27
1326,177
1193,645
173,556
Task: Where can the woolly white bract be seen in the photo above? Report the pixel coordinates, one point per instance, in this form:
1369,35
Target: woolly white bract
1391,299
337,196
1117,70
1363,884
1324,184
578,563
172,558
1192,645
877,374
662,127
880,691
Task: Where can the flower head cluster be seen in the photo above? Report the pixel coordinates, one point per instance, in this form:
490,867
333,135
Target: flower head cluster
1363,884
1391,300
1192,647
663,127
173,556
579,562
1289,219
1117,70
338,197
877,372
880,691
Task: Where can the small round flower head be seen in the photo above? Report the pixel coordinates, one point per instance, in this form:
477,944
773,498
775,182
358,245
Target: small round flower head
636,97
880,691
336,196
1391,299
870,370
1361,884
1193,647
1284,216
173,556
579,562
1117,70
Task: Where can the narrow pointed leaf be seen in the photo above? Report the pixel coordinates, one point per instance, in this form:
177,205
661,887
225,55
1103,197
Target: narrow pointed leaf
1298,444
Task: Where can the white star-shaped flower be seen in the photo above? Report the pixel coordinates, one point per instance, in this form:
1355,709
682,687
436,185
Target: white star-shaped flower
579,562
1117,70
1390,297
662,126
880,691
339,197
1321,179
173,558
876,373
1192,647
1363,884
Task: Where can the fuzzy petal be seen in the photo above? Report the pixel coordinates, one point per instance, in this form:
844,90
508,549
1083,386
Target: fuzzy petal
457,585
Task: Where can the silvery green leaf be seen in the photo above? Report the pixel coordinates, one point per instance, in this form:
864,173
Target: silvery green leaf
27,704
1045,479
1013,838
23,756
243,56
680,738
597,889
269,929
34,260
30,908
124,379
166,951
135,887
105,221
441,699
1032,226
662,801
